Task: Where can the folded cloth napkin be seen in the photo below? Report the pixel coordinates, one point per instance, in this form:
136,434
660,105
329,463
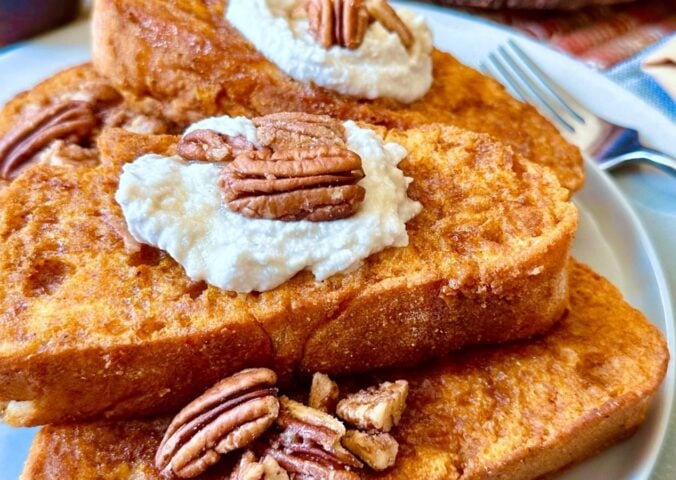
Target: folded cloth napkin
630,75
661,65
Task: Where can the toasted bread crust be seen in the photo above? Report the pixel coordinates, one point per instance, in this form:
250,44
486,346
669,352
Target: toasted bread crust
83,315
188,58
516,412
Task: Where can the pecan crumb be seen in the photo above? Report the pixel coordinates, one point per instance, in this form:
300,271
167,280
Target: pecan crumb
377,450
251,469
376,408
323,393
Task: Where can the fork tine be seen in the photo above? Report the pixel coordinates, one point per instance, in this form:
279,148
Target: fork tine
545,97
567,100
525,93
491,71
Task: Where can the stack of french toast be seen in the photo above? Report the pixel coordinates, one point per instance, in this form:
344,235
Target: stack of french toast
282,239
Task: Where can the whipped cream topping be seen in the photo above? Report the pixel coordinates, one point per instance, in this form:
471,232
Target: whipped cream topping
380,67
178,207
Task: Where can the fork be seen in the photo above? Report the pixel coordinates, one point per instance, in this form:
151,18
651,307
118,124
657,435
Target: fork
611,145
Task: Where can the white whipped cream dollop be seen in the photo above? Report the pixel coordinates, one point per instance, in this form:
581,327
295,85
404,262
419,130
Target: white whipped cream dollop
380,67
178,207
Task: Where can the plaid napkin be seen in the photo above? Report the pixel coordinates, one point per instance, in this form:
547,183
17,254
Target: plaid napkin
614,40
630,75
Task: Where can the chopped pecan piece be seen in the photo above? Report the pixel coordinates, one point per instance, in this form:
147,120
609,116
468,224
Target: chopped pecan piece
65,120
310,432
228,416
323,393
145,125
61,154
98,93
376,408
290,130
315,184
265,469
377,450
211,146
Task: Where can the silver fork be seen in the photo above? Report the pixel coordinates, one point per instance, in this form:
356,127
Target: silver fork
609,144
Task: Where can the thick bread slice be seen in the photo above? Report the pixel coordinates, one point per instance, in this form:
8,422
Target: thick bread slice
513,412
185,55
91,327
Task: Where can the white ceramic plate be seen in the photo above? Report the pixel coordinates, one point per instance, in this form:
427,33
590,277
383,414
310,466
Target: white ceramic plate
610,239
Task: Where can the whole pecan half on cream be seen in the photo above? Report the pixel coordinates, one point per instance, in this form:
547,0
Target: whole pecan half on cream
281,131
345,22
382,11
310,443
337,22
211,146
64,120
316,184
228,416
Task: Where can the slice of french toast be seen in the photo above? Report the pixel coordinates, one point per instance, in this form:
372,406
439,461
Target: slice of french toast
94,325
194,64
513,412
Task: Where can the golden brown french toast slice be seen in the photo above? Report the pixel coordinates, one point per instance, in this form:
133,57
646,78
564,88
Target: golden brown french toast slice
194,64
93,325
513,412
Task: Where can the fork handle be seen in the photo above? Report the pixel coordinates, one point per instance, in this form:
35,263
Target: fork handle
650,156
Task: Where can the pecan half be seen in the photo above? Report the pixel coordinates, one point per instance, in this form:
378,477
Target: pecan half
344,22
228,416
266,468
64,120
337,22
323,393
210,146
304,184
281,131
376,408
381,11
377,450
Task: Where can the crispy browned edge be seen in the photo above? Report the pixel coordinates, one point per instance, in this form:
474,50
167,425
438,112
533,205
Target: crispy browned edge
115,450
194,64
319,334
